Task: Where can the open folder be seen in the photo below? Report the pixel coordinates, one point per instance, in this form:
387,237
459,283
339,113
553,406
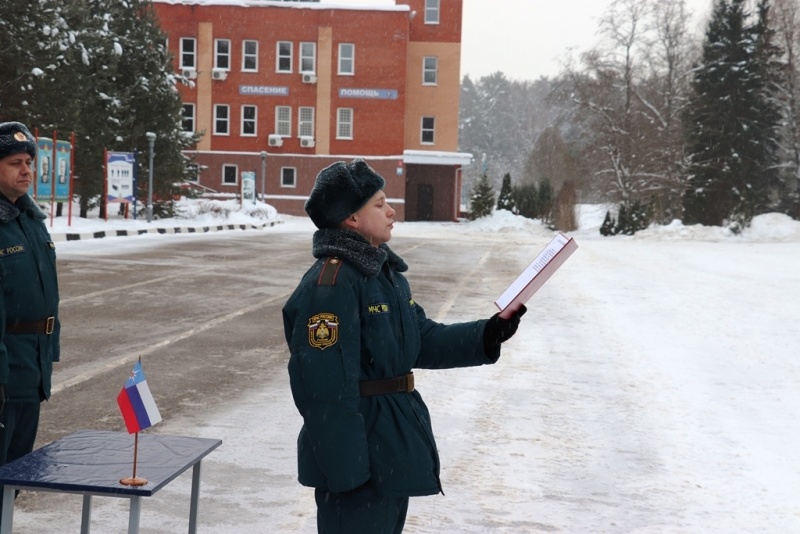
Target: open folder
536,274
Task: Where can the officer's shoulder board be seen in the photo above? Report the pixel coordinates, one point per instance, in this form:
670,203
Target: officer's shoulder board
330,269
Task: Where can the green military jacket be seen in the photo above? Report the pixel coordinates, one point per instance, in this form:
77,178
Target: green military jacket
373,329
28,292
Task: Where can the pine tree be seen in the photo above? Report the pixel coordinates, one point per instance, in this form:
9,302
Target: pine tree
526,198
609,225
731,121
482,199
506,199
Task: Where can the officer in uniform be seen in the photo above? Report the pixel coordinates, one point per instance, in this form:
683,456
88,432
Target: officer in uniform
355,333
29,326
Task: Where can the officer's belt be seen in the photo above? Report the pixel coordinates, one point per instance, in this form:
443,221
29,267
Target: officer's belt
398,384
45,326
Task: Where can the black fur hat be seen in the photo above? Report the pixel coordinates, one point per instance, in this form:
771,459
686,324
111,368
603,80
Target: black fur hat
16,139
340,190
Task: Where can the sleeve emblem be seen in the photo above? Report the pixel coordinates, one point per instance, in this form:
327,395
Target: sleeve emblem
323,330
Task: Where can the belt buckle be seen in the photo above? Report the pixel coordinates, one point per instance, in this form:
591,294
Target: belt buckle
409,382
51,323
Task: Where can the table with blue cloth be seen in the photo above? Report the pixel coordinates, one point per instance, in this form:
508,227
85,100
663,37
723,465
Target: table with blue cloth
92,462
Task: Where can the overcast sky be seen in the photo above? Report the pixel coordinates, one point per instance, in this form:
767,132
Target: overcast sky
526,39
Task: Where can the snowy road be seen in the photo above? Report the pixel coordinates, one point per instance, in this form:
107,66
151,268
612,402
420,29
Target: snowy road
652,388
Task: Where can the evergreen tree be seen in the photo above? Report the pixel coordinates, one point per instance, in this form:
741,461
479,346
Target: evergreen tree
731,121
98,68
609,225
546,202
526,198
482,199
506,199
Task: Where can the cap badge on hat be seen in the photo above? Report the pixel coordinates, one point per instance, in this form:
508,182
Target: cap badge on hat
19,136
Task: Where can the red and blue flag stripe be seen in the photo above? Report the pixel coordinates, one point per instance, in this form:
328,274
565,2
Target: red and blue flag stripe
136,403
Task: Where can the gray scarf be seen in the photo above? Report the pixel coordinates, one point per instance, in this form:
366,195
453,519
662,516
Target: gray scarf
356,250
10,211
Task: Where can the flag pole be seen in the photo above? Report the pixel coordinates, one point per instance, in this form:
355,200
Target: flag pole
134,480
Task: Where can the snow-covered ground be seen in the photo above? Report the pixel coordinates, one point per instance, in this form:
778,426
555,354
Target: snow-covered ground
653,387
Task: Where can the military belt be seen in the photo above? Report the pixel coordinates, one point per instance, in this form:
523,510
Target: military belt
45,326
398,384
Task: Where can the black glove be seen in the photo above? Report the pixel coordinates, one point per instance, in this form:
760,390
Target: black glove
499,330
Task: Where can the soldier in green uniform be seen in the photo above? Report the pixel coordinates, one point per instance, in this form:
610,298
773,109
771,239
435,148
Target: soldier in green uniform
29,326
355,333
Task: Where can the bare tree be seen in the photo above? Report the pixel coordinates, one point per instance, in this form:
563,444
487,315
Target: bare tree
634,86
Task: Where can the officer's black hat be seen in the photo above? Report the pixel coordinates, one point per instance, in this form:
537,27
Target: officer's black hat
340,190
16,139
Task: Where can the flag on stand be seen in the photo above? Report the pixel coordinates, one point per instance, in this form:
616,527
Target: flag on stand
136,403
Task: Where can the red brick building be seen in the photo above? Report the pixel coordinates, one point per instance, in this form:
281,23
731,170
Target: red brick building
283,89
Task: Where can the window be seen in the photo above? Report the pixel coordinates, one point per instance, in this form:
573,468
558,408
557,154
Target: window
308,57
187,118
344,123
188,53
429,70
431,11
229,174
192,173
283,120
284,57
305,121
222,115
222,54
250,56
288,177
428,124
347,56
249,116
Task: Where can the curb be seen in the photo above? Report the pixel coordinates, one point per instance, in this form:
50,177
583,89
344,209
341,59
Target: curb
58,237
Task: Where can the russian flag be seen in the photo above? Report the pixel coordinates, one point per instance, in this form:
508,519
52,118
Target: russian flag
136,403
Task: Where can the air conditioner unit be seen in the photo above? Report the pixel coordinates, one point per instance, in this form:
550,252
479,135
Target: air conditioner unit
275,140
191,74
218,74
309,78
306,141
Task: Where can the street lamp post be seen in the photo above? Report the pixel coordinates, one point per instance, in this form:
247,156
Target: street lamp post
263,176
151,139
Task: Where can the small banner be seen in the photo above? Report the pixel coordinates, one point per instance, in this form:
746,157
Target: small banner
119,174
136,403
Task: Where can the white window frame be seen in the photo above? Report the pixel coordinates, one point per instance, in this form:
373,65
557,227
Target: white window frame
226,119
308,57
430,70
222,54
284,171
188,57
253,121
344,59
344,123
279,56
305,121
423,130
249,55
191,120
235,171
283,121
432,8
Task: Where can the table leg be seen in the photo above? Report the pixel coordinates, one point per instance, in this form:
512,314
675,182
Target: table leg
133,517
86,514
195,502
8,510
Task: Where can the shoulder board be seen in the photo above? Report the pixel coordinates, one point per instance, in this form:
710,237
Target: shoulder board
327,276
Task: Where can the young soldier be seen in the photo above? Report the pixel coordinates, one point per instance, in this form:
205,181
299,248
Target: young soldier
354,334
